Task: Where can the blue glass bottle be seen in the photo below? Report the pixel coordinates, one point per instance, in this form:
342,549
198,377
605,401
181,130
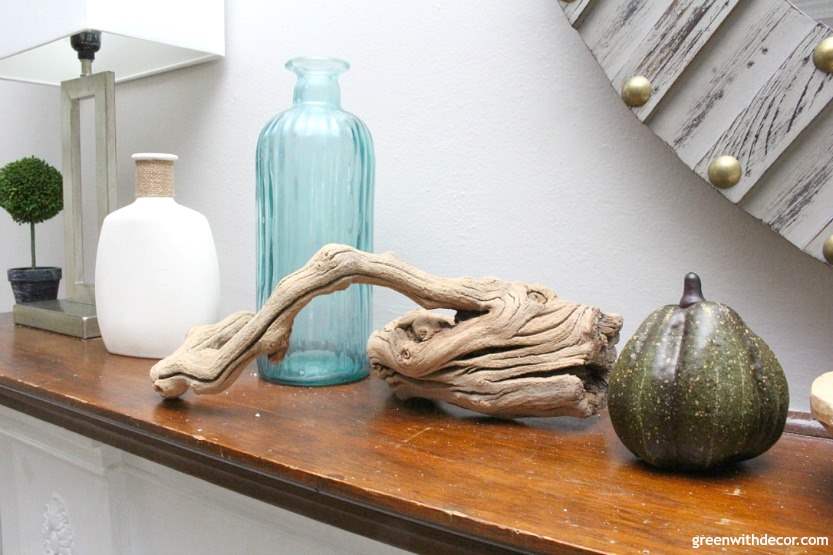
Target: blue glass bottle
315,171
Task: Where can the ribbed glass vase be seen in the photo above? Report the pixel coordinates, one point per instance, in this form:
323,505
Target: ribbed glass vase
315,172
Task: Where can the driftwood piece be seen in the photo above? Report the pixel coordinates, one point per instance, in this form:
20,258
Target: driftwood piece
512,349
821,400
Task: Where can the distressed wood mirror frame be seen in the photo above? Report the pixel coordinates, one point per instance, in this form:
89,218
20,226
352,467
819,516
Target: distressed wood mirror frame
740,90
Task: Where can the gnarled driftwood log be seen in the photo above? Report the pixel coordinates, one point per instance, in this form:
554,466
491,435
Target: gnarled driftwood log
512,349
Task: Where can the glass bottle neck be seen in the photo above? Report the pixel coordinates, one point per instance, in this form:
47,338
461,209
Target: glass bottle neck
317,87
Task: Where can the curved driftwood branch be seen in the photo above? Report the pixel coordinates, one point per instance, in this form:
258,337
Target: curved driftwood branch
512,349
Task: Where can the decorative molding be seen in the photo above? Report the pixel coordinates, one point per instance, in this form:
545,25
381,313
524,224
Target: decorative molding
75,449
56,528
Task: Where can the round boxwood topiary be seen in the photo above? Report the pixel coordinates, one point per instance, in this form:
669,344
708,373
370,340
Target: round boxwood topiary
31,191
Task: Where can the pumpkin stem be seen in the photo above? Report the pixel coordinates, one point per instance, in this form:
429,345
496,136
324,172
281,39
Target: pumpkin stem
692,291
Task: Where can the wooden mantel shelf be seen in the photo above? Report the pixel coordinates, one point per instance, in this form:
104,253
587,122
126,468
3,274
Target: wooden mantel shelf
426,478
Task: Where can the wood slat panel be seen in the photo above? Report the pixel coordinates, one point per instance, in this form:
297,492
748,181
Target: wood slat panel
724,78
575,10
813,248
734,78
796,196
780,111
820,10
672,43
614,30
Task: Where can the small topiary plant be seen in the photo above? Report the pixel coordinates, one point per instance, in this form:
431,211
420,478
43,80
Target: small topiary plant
31,191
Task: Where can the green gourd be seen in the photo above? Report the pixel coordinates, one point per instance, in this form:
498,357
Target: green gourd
695,388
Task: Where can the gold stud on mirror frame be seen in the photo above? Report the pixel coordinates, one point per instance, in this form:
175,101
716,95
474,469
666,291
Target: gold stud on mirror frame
725,172
823,55
827,250
637,91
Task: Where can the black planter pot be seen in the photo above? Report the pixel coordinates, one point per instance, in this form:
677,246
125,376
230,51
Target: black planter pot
35,284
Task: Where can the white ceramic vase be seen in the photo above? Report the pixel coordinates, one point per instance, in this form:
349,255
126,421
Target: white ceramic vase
156,270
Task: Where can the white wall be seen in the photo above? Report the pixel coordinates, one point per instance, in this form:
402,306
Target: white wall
501,150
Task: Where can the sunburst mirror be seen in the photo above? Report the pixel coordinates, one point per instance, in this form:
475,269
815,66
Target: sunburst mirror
740,90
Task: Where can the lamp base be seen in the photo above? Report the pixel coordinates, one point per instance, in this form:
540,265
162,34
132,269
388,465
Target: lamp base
62,316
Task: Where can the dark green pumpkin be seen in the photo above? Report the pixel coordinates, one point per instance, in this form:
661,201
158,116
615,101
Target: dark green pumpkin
694,388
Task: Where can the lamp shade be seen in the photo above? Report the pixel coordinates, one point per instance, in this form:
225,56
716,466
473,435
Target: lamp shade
138,38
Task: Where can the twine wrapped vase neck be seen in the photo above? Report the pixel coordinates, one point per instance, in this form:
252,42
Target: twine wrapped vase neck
154,174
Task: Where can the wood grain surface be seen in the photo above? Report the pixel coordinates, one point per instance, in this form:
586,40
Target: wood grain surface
795,197
513,349
614,31
724,78
672,43
730,78
575,10
778,113
816,245
426,477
